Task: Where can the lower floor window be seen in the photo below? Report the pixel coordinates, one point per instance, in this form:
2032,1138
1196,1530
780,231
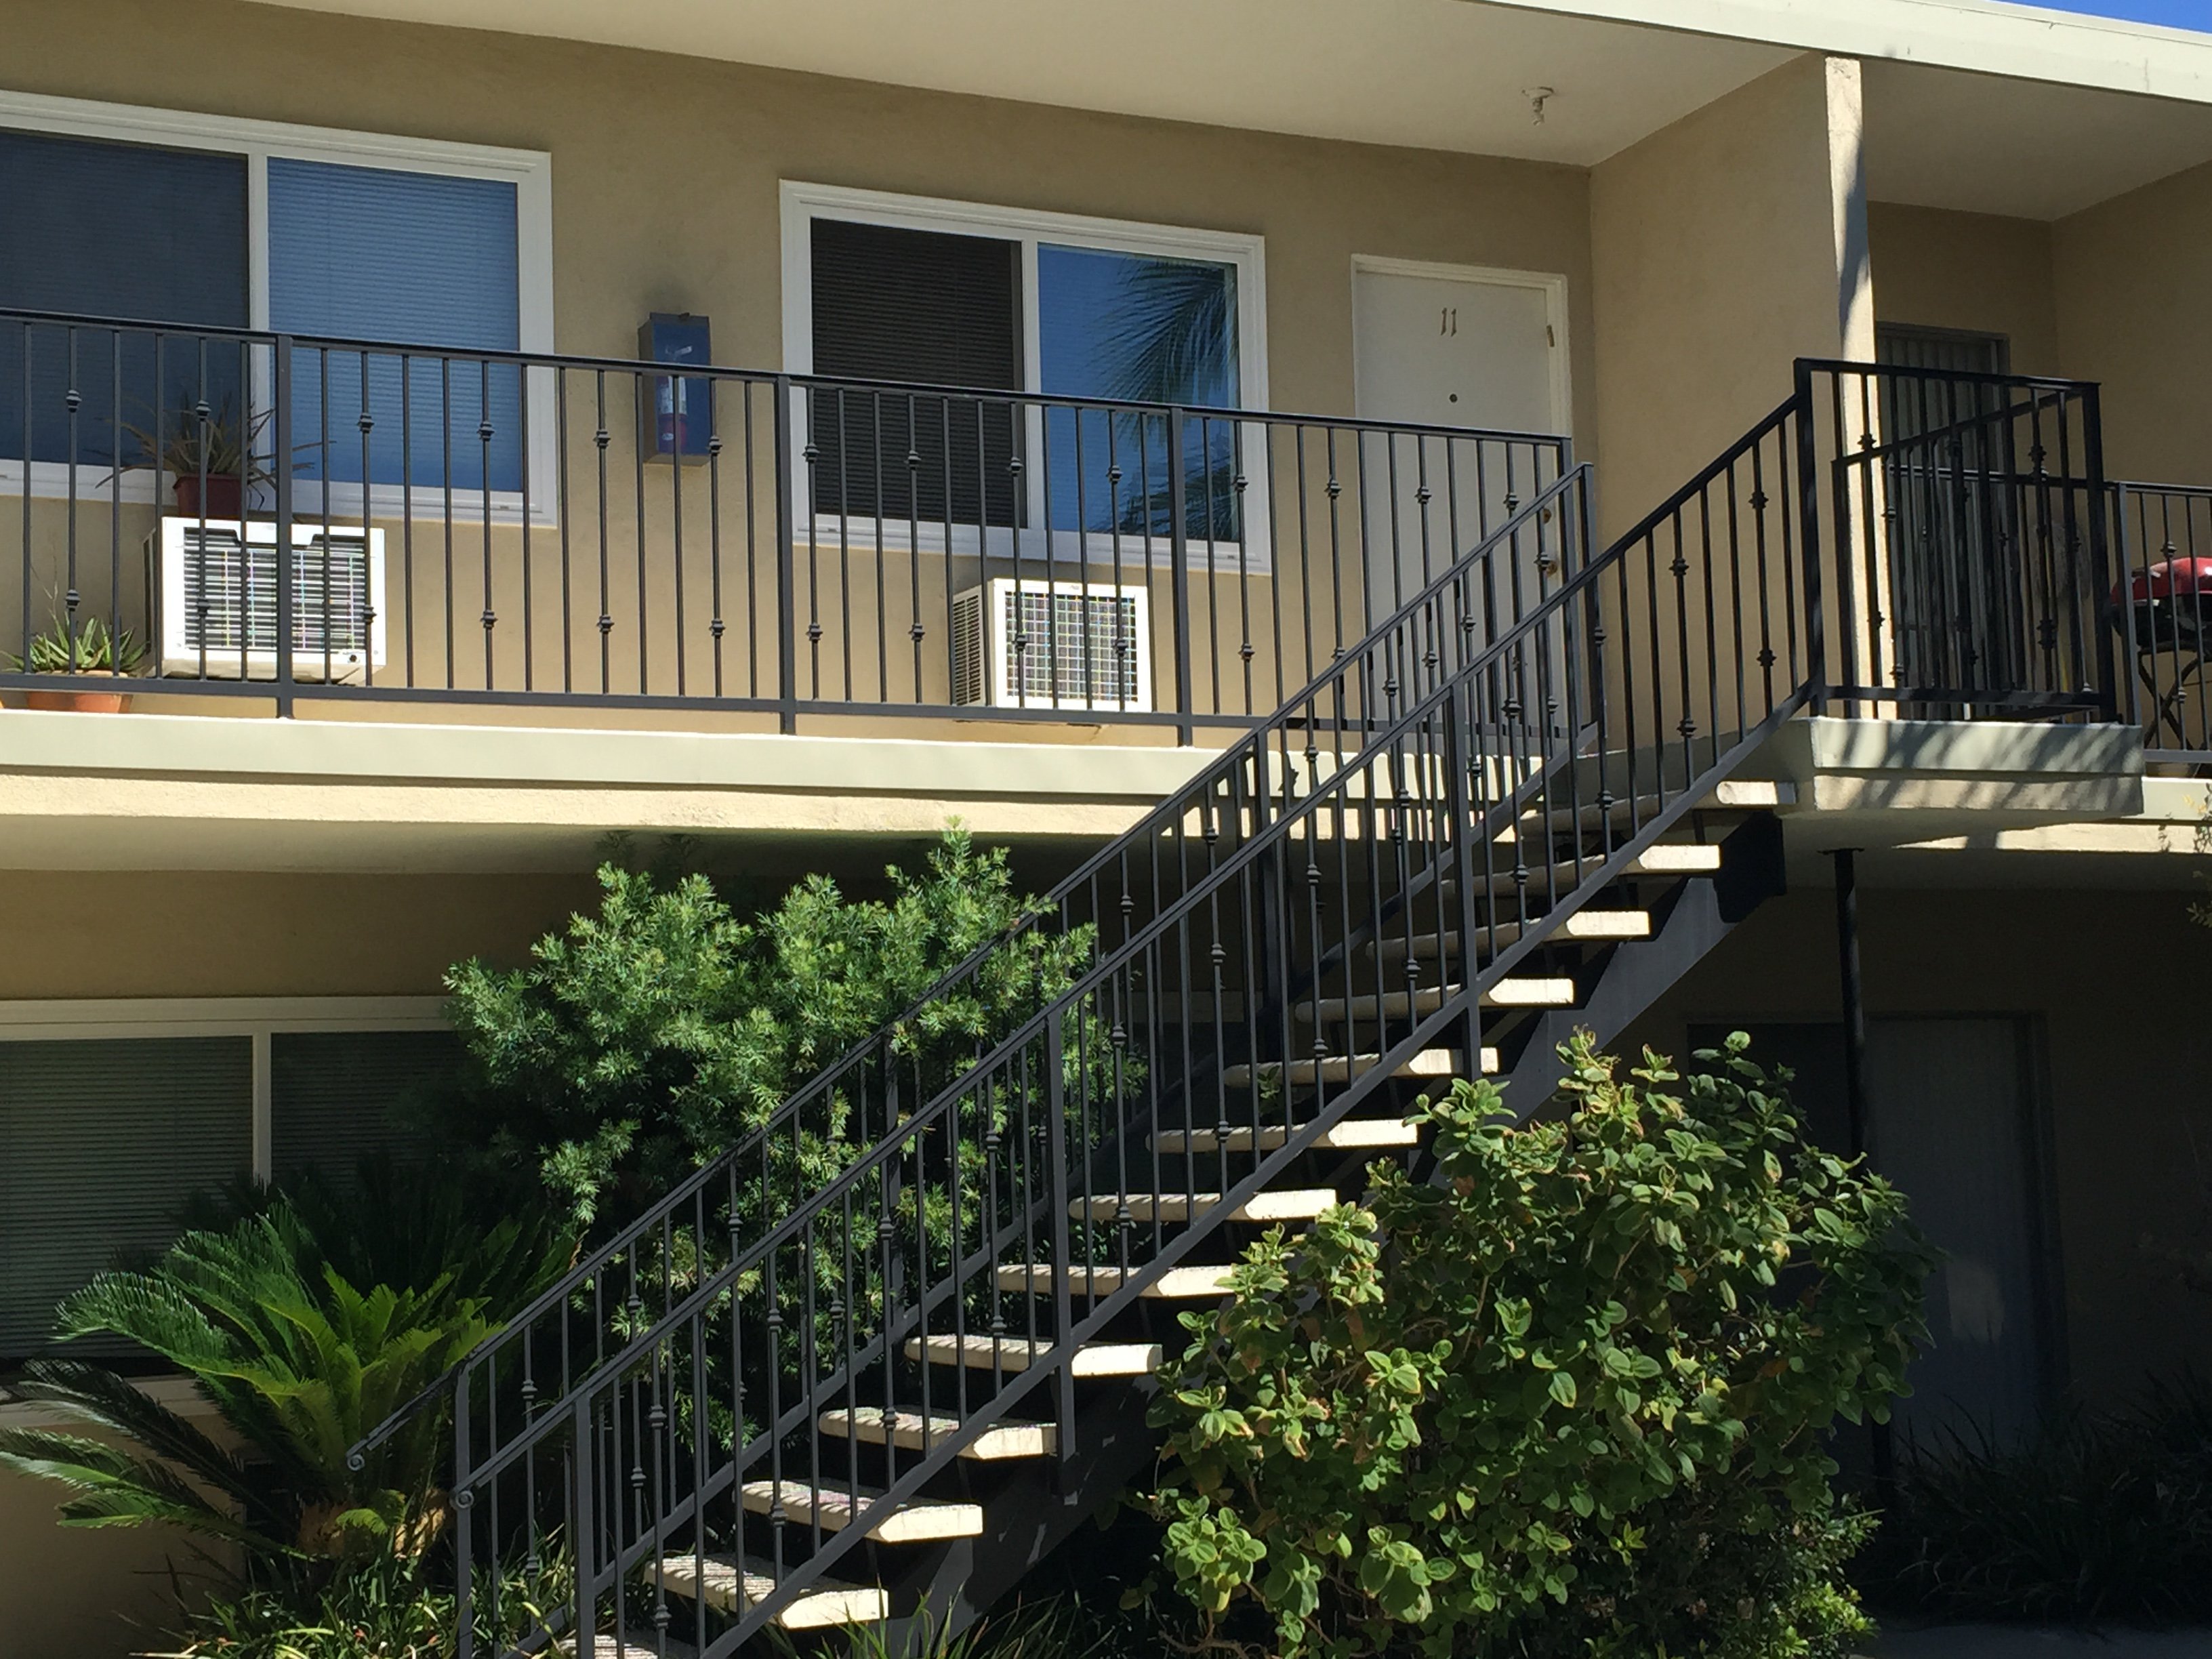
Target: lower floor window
105,1140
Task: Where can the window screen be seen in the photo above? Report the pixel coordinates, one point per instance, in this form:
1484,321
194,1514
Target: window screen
100,1142
925,307
338,1097
424,258
125,231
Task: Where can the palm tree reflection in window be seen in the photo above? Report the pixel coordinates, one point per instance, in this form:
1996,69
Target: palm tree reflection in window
1139,329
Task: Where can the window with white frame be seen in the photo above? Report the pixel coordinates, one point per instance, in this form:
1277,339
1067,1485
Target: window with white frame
205,223
113,1120
1048,307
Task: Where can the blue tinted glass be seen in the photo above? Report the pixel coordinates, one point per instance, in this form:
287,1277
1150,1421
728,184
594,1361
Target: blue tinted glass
415,258
1140,329
124,231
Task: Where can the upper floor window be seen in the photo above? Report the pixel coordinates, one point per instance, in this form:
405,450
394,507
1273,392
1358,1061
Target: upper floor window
199,222
948,294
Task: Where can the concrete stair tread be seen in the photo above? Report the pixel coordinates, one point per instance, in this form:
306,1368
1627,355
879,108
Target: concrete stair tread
733,1586
915,1520
1286,1204
1562,876
1429,1063
1516,990
1349,1135
1583,927
1176,1284
910,1430
1017,1354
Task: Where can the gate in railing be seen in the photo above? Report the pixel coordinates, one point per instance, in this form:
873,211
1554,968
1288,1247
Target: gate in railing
1973,543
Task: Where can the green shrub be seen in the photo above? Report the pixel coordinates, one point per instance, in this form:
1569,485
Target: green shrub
286,1322
1568,1398
648,1038
384,1608
2099,1515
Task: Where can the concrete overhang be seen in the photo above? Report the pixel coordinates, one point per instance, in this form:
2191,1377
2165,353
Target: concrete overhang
1971,104
169,792
1871,784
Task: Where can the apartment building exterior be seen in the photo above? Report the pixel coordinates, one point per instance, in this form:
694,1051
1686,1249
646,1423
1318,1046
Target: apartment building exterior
795,429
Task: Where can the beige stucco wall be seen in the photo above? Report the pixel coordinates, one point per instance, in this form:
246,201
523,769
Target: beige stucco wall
665,169
1979,272
1723,247
89,1594
2129,282
666,172
2129,1127
148,933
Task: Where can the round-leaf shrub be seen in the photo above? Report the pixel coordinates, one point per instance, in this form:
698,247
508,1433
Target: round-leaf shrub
1569,1396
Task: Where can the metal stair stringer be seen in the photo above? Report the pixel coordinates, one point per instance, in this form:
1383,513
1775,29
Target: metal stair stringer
1702,912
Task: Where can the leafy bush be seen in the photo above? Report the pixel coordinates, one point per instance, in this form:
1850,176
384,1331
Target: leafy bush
1570,1397
303,1335
2098,1516
654,1033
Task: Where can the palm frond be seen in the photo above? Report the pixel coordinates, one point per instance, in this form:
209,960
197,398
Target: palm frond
106,1401
115,1489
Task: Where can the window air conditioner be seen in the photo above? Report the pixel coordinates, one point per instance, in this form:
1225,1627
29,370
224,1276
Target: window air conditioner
1021,643
218,585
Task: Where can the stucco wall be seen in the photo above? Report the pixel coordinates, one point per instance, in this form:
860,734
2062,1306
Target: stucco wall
2131,1133
1722,248
665,169
2129,280
1979,272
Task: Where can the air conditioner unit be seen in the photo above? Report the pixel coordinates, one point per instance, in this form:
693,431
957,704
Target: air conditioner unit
218,585
1025,643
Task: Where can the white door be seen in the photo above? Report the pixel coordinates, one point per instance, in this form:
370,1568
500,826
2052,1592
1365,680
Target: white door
1447,348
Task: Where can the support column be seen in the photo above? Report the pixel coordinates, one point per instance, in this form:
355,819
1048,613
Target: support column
1854,1004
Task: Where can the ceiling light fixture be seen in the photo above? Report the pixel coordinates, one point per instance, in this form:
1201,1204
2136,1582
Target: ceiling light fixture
1538,97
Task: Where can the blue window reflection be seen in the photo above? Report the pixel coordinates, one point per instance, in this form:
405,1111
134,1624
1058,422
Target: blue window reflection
385,254
1141,329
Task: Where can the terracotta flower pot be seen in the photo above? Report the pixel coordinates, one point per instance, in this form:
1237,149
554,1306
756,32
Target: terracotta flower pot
224,498
80,703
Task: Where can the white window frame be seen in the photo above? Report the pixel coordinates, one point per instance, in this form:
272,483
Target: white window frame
802,204
530,171
260,1019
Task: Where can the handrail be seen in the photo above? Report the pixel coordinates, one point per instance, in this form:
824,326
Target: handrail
706,1291
1048,1025
1022,1193
1228,766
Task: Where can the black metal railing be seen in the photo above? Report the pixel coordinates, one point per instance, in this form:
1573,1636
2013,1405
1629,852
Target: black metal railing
490,527
2161,614
1974,564
1187,1016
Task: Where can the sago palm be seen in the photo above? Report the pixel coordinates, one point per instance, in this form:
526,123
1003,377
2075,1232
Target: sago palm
297,1361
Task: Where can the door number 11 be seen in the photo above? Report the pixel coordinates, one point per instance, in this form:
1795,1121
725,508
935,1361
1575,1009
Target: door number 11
1447,321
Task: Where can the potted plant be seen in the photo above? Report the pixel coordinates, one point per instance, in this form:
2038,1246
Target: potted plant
212,459
90,648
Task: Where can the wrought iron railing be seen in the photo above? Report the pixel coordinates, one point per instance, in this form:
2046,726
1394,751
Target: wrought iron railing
1974,546
2162,616
1191,1013
507,528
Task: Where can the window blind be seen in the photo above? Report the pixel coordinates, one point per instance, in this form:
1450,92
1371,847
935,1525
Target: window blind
922,307
100,1142
338,1097
416,259
127,231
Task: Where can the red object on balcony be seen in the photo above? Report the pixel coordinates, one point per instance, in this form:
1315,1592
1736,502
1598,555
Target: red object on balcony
2172,604
224,498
